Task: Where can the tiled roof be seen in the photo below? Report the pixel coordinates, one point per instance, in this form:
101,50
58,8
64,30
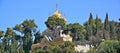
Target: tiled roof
45,42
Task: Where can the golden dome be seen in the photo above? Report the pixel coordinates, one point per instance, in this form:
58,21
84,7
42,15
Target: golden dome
57,14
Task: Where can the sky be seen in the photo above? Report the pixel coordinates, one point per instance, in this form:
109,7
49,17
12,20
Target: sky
14,12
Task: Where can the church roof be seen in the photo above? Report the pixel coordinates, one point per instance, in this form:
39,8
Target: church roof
57,14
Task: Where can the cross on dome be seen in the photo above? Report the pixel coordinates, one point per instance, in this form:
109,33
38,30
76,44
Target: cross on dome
57,14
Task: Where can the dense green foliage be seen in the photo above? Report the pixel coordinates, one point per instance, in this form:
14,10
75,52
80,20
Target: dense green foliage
53,22
109,46
105,37
66,47
77,31
92,51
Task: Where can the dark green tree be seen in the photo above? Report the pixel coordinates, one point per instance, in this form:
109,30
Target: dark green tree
99,24
19,36
14,45
7,38
38,37
92,51
1,34
55,49
90,27
1,42
113,29
27,28
53,22
68,47
77,31
109,46
106,23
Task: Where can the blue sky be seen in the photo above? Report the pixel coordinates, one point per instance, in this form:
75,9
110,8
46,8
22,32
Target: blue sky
14,12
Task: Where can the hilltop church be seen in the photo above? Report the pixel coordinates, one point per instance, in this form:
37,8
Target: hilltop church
53,37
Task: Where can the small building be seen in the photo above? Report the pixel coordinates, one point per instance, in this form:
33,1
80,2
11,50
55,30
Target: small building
83,48
57,39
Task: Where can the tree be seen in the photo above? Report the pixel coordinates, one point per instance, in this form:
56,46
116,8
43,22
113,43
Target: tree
92,51
90,27
1,34
38,37
55,49
99,24
77,31
87,29
27,28
9,33
113,29
68,47
19,37
118,30
7,39
109,46
1,42
14,45
106,23
53,22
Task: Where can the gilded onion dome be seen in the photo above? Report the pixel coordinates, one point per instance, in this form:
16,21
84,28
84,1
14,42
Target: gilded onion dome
57,14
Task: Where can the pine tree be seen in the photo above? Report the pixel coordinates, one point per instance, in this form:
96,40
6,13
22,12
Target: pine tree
106,23
38,37
99,24
27,28
91,24
14,45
